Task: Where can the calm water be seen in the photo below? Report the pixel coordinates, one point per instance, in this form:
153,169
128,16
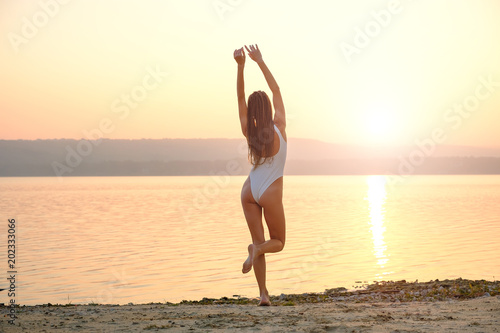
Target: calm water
154,239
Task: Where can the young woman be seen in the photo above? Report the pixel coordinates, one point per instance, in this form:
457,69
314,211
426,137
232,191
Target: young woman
263,189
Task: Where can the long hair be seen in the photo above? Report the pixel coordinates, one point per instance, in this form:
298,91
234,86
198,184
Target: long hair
260,128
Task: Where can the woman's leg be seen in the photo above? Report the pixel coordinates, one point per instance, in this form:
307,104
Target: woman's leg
274,213
253,215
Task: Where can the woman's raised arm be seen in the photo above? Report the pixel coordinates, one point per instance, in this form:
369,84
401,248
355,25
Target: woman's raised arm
279,108
239,56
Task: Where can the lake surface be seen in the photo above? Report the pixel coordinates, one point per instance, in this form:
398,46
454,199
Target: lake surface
154,239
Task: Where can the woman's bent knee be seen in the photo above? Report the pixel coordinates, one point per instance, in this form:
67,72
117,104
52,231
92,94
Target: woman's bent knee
282,241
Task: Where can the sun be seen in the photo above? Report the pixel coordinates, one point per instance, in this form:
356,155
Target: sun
380,124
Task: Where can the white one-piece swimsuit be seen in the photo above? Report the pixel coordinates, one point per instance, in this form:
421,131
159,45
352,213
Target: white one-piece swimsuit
262,176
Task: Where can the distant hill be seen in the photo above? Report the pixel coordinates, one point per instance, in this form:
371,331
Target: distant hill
108,157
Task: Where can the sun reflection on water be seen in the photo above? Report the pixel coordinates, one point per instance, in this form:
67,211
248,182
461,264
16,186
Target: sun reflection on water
376,197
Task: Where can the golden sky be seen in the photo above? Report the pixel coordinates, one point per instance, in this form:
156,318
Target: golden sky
356,72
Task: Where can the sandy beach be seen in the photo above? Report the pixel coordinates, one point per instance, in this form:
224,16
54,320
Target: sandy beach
451,306
476,315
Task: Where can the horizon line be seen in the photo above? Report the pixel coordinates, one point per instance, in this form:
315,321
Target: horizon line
242,138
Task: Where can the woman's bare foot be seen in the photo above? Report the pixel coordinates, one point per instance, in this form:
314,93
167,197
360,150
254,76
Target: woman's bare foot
264,299
247,265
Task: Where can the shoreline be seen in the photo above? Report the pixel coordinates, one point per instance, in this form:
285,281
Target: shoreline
383,291
456,305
